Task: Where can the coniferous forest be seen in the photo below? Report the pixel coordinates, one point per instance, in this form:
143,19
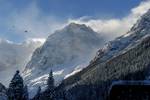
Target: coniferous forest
17,90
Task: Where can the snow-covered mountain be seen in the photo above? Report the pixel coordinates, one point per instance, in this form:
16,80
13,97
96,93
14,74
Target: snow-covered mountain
66,51
123,43
14,56
125,58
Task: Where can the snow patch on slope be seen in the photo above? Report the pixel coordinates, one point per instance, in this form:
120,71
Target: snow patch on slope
76,70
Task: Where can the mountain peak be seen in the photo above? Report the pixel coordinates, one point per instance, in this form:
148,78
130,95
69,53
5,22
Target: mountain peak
147,13
63,51
75,26
143,24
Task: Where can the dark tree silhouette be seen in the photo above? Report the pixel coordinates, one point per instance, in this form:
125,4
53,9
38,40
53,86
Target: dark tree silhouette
16,90
25,93
37,96
50,81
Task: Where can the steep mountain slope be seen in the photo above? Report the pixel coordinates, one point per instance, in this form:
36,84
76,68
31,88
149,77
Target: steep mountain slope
132,65
127,57
123,43
65,51
14,56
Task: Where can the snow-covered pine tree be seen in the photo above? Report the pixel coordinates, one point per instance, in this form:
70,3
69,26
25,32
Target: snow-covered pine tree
16,87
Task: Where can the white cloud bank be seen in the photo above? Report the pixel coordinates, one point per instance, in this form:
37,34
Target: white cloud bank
32,23
37,25
112,28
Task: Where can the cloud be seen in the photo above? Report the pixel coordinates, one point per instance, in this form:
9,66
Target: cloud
112,28
36,40
32,23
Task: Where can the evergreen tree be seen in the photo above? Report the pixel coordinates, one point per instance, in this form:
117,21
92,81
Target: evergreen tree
25,93
50,90
50,81
49,93
38,91
16,87
37,96
64,95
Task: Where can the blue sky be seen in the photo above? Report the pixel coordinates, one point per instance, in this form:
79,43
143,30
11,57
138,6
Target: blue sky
79,8
41,17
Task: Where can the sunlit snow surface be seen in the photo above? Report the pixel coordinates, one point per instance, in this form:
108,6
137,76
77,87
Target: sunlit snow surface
40,79
76,70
